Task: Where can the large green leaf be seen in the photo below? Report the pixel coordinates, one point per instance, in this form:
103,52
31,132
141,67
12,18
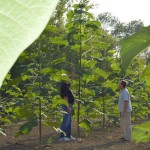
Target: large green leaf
26,128
141,132
52,123
59,102
21,22
146,75
100,72
85,124
58,41
132,46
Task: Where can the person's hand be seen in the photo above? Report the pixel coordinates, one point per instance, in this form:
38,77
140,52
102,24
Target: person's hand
69,109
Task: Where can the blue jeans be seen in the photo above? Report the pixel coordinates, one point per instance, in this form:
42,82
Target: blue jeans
66,123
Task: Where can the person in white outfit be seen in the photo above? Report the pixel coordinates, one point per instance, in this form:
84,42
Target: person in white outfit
125,109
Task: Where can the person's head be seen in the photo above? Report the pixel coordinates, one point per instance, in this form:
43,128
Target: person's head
65,78
122,84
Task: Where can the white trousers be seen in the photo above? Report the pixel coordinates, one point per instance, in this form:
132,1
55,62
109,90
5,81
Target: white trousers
126,126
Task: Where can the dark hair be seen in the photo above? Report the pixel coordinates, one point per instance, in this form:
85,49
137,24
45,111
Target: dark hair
124,83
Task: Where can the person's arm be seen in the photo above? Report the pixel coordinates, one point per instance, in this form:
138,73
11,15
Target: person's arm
125,108
68,107
125,105
64,91
126,102
66,98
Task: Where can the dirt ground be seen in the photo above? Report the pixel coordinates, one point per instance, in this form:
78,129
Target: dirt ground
97,140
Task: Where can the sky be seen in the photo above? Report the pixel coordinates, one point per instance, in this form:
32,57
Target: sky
125,10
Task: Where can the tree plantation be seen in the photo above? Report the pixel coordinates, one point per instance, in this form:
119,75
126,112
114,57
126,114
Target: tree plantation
40,41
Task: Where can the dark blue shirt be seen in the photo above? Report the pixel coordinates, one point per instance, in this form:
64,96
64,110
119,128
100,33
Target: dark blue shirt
65,91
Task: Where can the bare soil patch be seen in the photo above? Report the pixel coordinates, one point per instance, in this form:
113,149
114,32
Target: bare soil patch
98,139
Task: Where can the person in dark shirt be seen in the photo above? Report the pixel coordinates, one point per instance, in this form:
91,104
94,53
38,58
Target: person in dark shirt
67,95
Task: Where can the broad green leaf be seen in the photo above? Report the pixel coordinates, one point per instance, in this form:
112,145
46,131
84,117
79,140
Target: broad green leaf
86,92
90,15
52,124
18,134
8,76
51,28
69,25
93,24
76,6
48,71
6,120
110,84
59,102
85,124
21,23
16,80
88,78
27,128
58,61
132,46
141,132
58,41
100,72
22,111
88,64
115,67
146,75
70,14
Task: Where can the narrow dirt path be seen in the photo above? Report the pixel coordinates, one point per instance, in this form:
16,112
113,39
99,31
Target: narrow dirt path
100,140
97,140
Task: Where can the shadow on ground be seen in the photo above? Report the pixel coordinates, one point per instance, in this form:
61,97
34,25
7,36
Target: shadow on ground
107,145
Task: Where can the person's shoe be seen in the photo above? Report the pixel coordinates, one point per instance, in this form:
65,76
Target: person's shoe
72,138
128,140
122,139
64,139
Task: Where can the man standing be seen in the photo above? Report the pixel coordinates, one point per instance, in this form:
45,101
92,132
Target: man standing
68,96
125,109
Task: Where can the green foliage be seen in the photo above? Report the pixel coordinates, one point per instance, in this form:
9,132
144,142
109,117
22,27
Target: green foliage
100,72
58,41
141,132
18,32
146,75
132,46
26,128
57,102
33,83
88,42
85,124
